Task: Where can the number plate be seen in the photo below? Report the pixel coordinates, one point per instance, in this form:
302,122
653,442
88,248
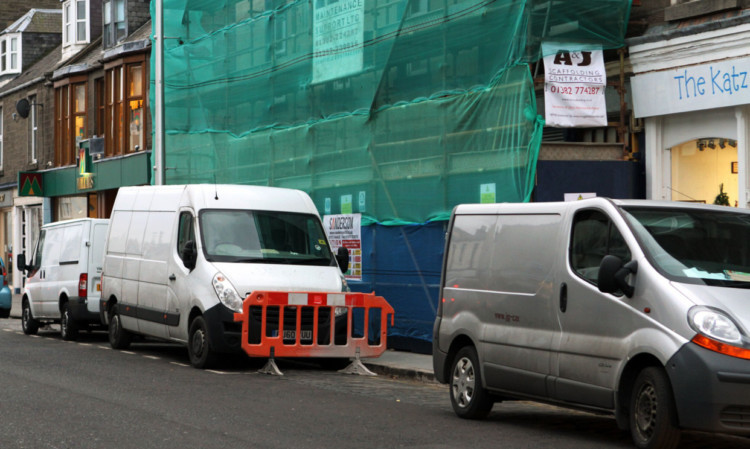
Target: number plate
291,335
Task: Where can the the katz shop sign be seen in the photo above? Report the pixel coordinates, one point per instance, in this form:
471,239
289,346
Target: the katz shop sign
699,87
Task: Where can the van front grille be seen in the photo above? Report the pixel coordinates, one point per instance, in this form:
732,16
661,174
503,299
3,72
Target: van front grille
736,416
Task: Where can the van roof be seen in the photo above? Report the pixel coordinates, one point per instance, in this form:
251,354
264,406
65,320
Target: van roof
213,196
561,206
75,220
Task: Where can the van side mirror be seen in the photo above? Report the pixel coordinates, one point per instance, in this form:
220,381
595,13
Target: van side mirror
613,275
189,254
21,262
342,257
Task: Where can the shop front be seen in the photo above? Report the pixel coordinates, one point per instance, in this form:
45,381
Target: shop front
86,190
692,92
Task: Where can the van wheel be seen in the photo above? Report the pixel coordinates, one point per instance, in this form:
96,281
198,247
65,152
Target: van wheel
119,338
68,326
199,349
29,325
469,399
653,416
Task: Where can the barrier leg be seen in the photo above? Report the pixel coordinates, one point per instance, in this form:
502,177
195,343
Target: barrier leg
270,367
357,367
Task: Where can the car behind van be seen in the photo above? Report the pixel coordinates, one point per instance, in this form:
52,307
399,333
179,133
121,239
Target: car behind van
63,281
181,259
640,309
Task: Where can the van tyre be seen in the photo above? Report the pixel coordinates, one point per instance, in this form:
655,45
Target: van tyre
29,325
653,416
469,399
199,348
68,326
119,338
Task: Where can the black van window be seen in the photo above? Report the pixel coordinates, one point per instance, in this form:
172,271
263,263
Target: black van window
593,237
186,231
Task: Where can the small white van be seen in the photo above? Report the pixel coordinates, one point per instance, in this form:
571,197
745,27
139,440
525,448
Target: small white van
181,259
640,309
63,281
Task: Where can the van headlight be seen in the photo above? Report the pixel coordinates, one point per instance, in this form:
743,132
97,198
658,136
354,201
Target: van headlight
226,293
715,324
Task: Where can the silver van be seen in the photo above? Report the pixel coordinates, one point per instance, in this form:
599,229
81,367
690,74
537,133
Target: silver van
636,308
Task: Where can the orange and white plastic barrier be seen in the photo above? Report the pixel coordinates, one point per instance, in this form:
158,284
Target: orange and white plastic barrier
305,324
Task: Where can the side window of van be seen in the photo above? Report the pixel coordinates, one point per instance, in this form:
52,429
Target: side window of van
186,231
593,237
36,262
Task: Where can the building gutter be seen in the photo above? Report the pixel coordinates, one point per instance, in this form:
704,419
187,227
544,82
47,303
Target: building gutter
22,86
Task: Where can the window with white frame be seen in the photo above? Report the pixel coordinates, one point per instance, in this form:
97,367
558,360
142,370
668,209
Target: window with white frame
1,137
115,25
75,22
34,127
10,54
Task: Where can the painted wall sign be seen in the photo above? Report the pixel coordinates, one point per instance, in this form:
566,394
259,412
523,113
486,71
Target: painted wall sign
699,87
30,184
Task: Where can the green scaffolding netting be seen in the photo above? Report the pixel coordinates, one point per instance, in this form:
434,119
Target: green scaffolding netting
398,109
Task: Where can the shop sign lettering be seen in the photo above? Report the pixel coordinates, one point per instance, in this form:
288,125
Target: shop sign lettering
685,89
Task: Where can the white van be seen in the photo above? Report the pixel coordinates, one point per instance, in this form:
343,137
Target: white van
640,309
181,259
63,281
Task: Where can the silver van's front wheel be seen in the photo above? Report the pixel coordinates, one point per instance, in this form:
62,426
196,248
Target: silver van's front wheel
469,399
652,411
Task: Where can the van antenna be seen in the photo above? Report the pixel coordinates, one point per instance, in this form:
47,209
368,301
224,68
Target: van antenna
216,189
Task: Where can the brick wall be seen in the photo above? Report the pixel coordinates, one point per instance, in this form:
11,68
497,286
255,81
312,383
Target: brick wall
138,14
17,132
37,45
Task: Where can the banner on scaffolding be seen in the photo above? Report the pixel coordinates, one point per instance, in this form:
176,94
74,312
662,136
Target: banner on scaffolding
574,83
346,230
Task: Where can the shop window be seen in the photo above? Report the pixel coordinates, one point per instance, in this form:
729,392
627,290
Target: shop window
125,108
70,120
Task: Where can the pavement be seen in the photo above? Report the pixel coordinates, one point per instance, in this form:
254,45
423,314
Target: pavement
401,364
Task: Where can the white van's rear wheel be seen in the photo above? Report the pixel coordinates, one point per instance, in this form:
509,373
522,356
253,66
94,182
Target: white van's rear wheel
119,338
68,326
653,418
469,399
199,349
29,325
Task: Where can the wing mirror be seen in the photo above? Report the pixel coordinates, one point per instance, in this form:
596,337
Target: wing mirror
189,254
613,275
342,257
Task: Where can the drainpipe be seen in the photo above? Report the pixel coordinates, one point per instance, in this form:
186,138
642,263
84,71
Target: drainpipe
159,94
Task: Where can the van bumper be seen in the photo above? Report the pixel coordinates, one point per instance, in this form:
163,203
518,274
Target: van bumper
712,390
224,333
439,358
79,311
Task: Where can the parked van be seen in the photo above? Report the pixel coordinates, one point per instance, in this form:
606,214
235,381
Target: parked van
181,259
636,308
63,281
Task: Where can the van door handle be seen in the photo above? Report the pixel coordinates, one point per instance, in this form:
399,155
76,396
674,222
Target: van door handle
563,297
172,277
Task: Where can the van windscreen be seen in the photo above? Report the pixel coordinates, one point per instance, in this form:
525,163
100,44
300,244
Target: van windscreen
695,246
245,236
